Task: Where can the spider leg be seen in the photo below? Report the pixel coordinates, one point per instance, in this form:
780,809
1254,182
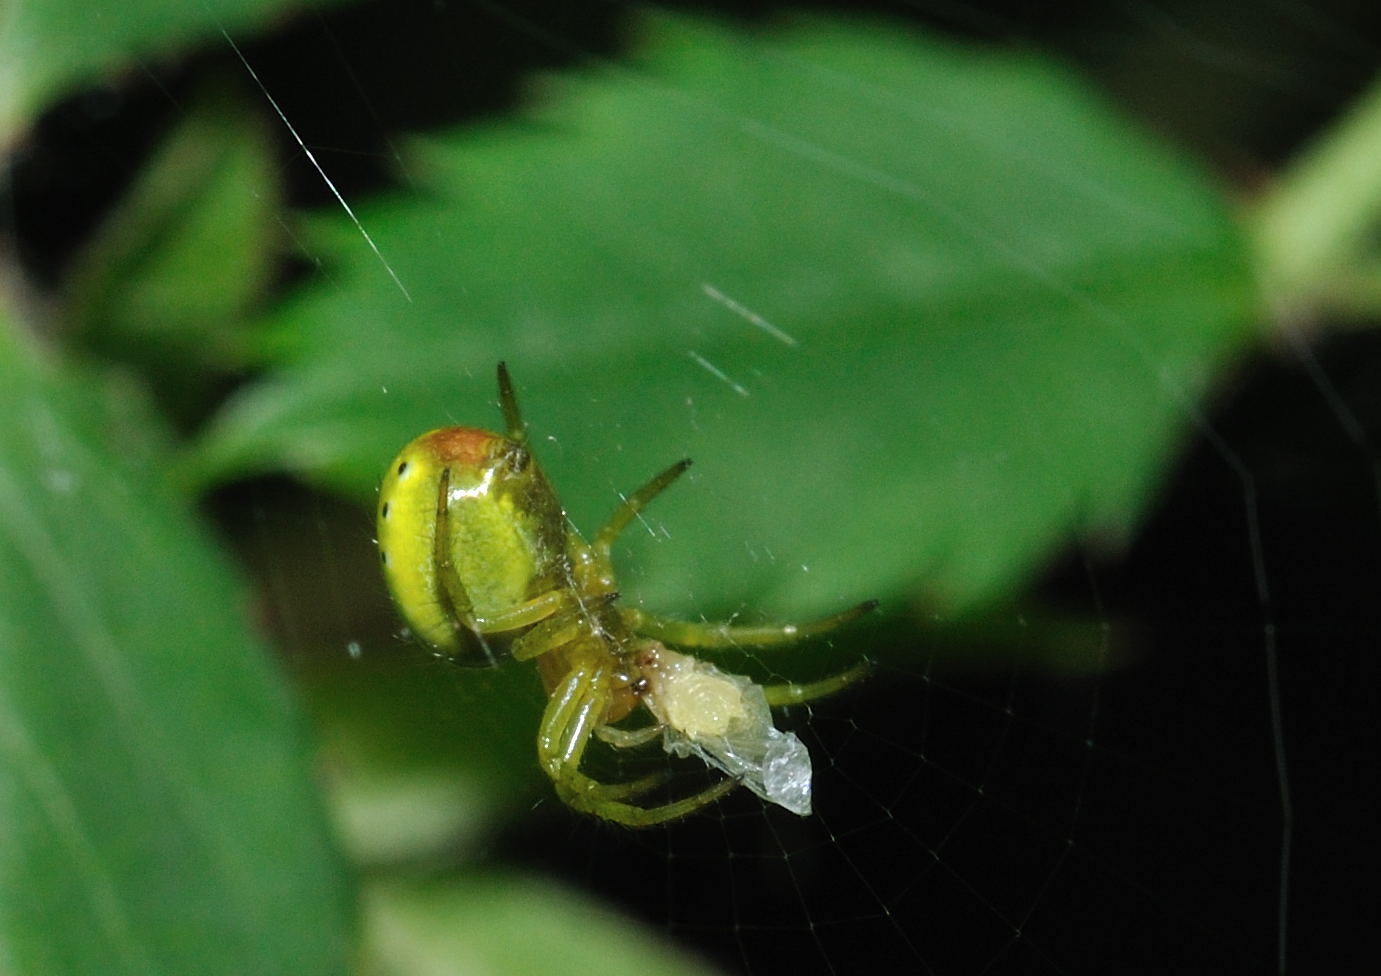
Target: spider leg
559,628
569,721
547,636
687,633
508,403
451,594
471,630
794,692
628,738
633,504
456,601
524,614
635,816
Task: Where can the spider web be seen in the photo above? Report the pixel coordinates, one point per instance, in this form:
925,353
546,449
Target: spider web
983,817
1005,822
1141,813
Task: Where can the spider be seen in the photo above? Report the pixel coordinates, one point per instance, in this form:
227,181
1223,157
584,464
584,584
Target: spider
482,563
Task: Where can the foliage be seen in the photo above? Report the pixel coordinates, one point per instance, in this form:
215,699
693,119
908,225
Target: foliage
922,312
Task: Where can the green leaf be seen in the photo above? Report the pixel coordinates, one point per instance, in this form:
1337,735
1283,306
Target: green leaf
920,312
176,266
157,811
421,758
502,924
1315,225
49,47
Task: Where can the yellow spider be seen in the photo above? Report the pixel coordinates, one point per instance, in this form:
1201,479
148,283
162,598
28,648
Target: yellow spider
481,562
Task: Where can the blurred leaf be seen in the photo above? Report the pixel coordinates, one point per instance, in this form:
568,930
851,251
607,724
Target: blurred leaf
181,259
422,758
157,814
51,46
987,305
1315,227
508,924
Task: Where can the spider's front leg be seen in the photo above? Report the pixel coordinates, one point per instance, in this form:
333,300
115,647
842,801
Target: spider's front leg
455,601
570,619
711,635
796,692
576,709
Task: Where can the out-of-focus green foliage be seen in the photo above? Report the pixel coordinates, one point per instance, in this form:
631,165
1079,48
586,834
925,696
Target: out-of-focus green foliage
468,928
999,298
1315,230
422,758
48,47
167,282
922,312
157,814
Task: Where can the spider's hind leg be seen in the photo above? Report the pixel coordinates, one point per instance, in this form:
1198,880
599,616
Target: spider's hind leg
572,715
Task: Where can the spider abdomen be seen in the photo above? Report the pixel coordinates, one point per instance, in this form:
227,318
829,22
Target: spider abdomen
469,531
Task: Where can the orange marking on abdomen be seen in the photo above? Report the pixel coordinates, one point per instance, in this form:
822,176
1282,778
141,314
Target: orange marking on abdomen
468,445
